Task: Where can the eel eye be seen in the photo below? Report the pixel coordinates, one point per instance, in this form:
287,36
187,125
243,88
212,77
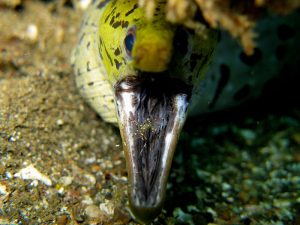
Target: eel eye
129,40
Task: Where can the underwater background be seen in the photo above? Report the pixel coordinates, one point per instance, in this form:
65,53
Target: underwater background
61,164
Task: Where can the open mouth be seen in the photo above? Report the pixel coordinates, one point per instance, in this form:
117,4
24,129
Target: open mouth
151,111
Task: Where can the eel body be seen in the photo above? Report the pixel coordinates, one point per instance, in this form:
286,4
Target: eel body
122,65
145,76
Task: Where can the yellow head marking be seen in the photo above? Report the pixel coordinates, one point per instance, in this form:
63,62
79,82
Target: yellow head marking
129,42
152,51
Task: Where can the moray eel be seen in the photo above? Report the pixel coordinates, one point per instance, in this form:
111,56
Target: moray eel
133,72
145,76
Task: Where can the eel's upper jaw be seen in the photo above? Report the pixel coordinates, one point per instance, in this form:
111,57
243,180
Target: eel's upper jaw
151,114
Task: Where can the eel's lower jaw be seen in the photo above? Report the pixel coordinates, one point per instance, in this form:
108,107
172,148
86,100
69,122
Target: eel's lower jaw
151,113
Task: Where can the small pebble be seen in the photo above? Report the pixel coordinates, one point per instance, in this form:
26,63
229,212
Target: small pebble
107,207
3,189
31,173
87,200
90,178
92,211
8,175
60,122
84,4
32,33
66,180
62,220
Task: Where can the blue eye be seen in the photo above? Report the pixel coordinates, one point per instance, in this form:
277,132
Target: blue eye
129,41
